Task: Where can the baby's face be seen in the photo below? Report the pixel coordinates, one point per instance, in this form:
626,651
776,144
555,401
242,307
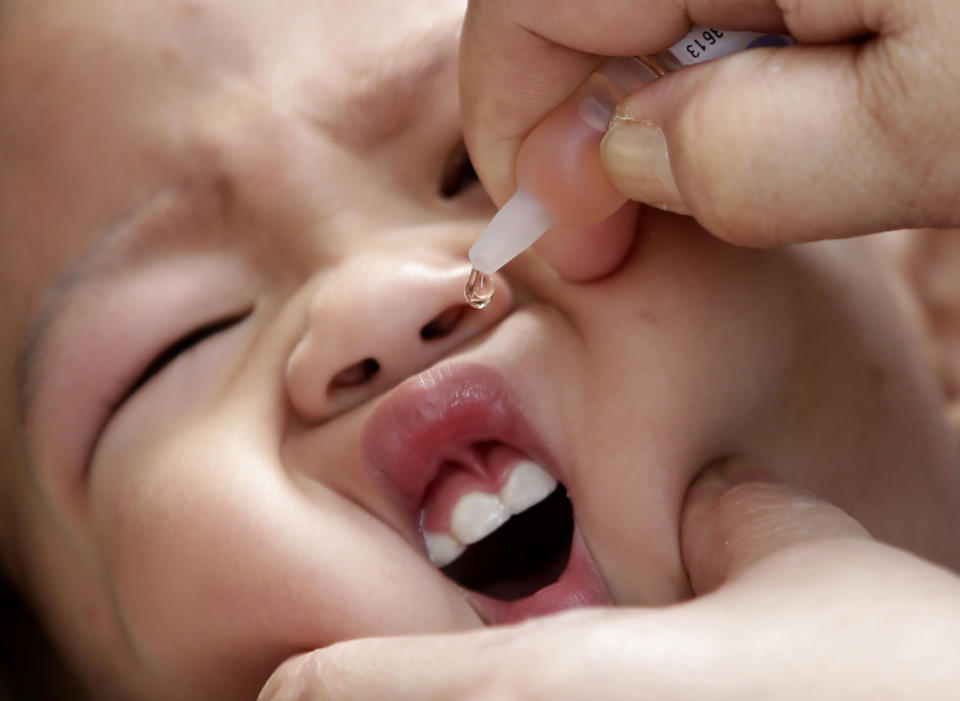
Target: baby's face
246,383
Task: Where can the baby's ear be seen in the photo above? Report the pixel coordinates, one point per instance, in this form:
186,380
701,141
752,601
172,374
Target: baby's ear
931,261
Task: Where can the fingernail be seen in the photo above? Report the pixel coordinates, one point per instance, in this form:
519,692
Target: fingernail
635,156
624,76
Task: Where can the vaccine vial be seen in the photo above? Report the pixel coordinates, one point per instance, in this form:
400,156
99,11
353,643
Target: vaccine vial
703,44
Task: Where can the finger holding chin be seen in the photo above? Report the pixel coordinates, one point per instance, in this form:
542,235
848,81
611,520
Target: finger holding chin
796,595
753,543
735,517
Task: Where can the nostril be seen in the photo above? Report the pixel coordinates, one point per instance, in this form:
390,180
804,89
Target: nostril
354,375
443,324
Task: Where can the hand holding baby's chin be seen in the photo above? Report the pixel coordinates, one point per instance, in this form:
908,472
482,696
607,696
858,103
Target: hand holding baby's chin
772,568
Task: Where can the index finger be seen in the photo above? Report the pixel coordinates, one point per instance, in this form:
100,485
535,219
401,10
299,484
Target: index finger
519,59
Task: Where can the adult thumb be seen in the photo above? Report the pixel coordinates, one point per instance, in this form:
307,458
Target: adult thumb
776,146
729,524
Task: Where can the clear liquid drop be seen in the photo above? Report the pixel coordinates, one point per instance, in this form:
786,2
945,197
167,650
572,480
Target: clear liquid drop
479,289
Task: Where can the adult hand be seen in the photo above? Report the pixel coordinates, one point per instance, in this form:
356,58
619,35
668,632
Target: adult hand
855,131
795,600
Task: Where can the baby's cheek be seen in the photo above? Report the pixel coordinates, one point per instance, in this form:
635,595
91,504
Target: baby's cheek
199,581
222,567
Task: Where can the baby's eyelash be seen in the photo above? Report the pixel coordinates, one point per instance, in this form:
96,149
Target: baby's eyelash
457,173
180,346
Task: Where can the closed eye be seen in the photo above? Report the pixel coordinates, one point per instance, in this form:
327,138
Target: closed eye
178,348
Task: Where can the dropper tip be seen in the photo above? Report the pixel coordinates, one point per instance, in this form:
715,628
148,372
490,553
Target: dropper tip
518,224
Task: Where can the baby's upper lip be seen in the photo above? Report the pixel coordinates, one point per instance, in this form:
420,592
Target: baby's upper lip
435,416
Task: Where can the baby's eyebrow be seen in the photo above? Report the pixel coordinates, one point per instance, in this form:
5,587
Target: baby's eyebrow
392,89
134,236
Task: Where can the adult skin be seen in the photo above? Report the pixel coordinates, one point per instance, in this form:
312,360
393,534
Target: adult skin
759,146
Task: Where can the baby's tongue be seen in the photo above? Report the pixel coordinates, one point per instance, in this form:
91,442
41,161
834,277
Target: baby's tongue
465,504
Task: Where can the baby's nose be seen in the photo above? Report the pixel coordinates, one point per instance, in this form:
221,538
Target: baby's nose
376,321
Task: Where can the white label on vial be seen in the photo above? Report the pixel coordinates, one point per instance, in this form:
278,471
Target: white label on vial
705,44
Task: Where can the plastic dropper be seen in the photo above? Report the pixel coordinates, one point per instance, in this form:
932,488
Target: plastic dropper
559,162
524,218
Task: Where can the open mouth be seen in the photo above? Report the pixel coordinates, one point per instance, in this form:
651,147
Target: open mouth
521,557
504,531
455,446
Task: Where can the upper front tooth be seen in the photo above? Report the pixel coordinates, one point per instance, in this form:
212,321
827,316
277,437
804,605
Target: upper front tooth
476,516
442,548
527,485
